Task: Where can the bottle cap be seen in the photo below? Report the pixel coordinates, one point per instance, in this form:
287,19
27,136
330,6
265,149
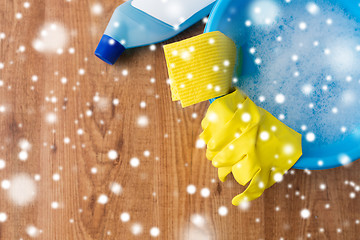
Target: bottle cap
108,49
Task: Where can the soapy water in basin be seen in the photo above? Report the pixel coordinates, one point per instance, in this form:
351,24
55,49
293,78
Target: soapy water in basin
308,59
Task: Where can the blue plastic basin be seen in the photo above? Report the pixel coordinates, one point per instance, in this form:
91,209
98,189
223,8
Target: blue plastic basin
226,17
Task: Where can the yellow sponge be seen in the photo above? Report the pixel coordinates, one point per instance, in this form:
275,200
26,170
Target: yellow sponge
201,67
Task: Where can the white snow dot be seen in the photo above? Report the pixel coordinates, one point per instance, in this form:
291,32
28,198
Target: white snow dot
134,162
288,149
24,144
34,78
223,211
115,188
246,117
5,184
88,113
81,71
278,177
96,98
2,164
63,80
32,231
97,9
103,199
125,72
146,153
66,140
3,217
302,25
197,220
154,232
200,143
143,121
352,195
125,217
310,137
344,159
307,89
264,135
23,155
55,205
205,192
322,186
80,131
18,15
244,205
2,108
93,170
327,51
312,8
280,98
56,177
115,101
295,58
51,117
348,78
143,104
226,63
191,189
258,61
305,213
112,155
136,229
22,190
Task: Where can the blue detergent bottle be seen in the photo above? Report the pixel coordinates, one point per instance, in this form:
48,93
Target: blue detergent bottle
138,23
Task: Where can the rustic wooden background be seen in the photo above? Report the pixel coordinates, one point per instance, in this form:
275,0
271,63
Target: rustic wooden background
154,193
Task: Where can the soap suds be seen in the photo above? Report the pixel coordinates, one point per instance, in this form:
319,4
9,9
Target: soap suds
308,72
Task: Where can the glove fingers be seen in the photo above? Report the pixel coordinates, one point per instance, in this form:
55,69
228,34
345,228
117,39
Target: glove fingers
211,154
213,121
219,113
243,117
237,149
255,188
223,172
245,170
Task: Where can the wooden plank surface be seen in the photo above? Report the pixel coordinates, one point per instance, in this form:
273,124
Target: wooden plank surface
56,136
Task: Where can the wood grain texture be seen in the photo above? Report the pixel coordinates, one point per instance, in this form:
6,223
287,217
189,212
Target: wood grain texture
154,193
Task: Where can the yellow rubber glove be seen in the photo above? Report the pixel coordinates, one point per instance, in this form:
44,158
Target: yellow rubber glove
247,141
201,67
